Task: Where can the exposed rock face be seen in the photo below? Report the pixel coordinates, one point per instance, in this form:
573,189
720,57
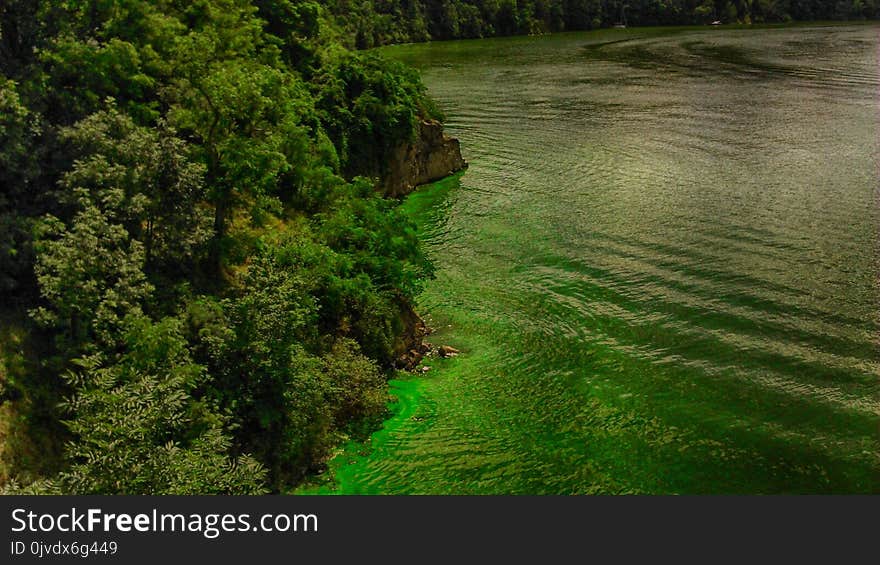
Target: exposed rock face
432,156
410,347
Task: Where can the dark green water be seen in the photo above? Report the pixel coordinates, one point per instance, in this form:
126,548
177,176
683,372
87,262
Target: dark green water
661,266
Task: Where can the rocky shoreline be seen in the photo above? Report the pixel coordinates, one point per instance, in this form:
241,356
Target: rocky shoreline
431,156
412,348
412,359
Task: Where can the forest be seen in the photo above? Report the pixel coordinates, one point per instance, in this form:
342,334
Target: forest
201,289
378,22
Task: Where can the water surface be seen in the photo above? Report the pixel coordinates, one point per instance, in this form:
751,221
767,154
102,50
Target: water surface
661,268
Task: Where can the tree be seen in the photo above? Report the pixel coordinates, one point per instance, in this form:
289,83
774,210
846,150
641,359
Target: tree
265,375
138,429
18,170
90,276
161,187
251,122
368,105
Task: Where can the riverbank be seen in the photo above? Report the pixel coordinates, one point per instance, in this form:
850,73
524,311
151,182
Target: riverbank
408,410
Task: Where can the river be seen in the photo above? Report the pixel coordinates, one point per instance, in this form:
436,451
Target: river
661,268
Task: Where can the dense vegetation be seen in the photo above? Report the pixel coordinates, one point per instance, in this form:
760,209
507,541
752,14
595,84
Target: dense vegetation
200,294
377,22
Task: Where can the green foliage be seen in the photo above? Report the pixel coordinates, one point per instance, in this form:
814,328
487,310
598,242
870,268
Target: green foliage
248,121
305,30
212,295
357,391
17,129
139,428
90,276
376,265
367,104
264,372
18,171
81,74
161,187
377,239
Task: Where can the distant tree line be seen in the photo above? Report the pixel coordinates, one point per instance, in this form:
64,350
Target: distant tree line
378,22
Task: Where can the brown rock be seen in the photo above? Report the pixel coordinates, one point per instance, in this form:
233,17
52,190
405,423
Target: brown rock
432,156
408,346
447,351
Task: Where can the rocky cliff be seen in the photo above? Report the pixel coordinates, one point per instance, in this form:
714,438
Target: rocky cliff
432,156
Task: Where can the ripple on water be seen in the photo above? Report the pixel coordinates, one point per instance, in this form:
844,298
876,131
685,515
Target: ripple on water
660,266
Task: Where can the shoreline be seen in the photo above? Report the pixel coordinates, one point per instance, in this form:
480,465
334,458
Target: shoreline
405,388
694,27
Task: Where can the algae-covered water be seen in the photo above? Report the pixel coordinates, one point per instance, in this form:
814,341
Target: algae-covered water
661,268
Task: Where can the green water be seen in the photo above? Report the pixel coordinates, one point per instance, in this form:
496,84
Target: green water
661,268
